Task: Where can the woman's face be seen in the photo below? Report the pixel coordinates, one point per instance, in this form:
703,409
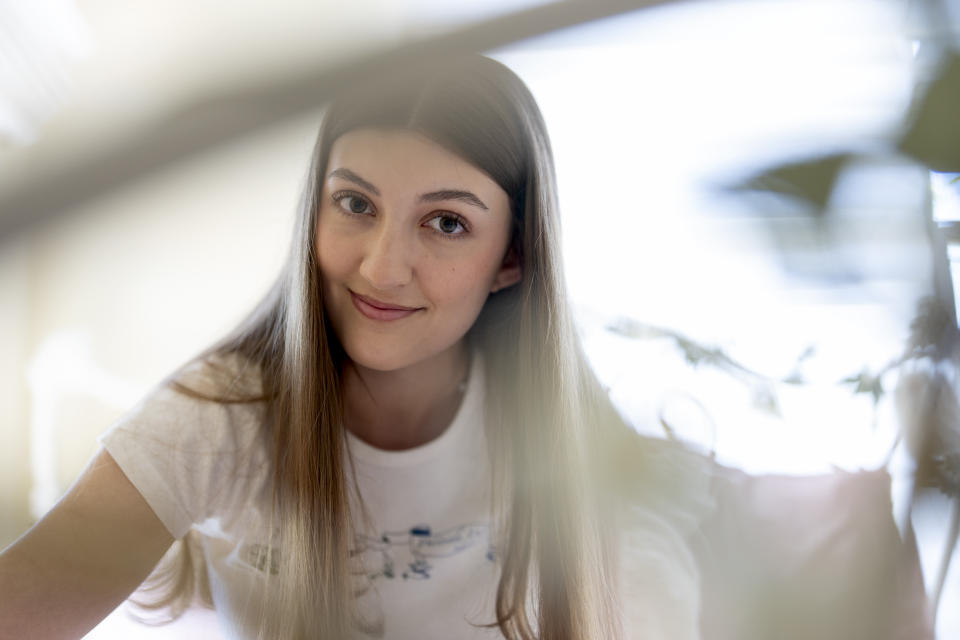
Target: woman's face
411,239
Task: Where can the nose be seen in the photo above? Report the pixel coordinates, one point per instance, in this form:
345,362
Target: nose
388,260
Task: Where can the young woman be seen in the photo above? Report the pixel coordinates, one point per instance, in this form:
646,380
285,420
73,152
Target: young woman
404,439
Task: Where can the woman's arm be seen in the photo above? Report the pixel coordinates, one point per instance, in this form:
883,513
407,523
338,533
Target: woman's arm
82,559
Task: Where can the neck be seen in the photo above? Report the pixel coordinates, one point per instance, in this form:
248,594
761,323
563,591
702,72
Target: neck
405,408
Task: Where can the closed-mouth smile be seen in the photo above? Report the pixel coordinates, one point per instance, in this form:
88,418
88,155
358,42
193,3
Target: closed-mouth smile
379,310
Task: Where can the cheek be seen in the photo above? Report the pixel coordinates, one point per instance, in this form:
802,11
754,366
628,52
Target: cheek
468,283
332,256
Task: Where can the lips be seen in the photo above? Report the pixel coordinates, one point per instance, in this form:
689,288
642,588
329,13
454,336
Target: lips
378,310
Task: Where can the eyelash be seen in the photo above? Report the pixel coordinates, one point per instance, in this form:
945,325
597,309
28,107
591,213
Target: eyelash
458,219
339,196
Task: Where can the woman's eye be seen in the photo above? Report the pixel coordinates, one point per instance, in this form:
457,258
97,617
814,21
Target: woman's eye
354,204
448,225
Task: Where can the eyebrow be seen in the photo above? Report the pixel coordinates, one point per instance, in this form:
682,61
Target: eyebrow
350,176
433,196
453,194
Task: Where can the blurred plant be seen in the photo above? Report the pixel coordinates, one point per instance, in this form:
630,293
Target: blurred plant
925,397
930,137
762,387
866,382
929,417
929,368
810,181
932,332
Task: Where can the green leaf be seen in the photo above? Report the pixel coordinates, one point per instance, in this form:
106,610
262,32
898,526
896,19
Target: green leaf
811,180
933,135
932,326
866,383
764,398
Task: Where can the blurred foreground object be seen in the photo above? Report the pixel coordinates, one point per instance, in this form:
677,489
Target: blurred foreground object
929,141
798,558
214,117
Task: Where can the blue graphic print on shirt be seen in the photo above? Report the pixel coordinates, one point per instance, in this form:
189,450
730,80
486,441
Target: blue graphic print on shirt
424,545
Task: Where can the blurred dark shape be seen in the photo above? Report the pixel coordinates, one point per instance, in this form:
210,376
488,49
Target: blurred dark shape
810,181
946,473
927,403
926,397
803,558
865,382
930,420
933,330
794,201
933,136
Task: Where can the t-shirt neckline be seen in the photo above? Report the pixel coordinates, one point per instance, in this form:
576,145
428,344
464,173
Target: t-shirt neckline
457,434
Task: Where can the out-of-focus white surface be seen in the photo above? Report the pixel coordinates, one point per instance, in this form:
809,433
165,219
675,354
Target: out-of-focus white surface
40,42
649,116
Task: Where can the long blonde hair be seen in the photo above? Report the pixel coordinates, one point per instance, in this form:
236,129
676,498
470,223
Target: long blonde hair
548,419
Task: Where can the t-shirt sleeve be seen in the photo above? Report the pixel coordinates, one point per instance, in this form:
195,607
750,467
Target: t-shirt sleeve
183,453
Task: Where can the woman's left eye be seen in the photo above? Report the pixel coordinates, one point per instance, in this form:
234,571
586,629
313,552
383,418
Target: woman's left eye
447,224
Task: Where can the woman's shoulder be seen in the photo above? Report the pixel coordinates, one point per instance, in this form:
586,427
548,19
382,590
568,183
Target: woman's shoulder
214,402
220,377
195,442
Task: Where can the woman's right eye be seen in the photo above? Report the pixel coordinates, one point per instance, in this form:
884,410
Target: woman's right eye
353,203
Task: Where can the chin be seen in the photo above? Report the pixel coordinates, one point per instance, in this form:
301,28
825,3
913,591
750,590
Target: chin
392,356
382,359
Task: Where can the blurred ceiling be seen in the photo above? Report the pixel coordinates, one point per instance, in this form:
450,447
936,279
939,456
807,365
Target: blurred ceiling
100,93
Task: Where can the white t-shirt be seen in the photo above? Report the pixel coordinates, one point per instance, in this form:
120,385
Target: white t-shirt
427,560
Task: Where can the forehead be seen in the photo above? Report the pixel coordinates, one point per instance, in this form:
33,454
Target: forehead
395,159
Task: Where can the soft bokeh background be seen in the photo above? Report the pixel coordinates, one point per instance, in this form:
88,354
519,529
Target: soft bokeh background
652,114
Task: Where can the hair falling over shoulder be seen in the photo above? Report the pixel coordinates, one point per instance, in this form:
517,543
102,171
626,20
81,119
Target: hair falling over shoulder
549,421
